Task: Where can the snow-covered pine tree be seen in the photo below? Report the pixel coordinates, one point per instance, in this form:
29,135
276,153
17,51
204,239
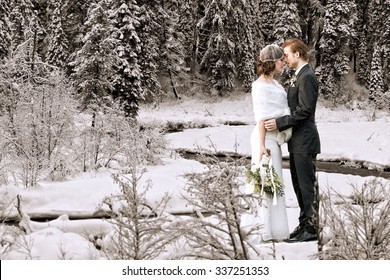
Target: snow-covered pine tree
257,28
258,36
219,59
34,35
171,50
93,63
188,18
20,17
5,31
385,42
374,23
244,14
360,50
126,82
361,60
310,19
311,24
266,19
58,43
287,24
74,14
204,33
148,32
375,81
340,17
378,36
26,34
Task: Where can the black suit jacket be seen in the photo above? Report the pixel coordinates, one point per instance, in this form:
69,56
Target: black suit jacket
302,100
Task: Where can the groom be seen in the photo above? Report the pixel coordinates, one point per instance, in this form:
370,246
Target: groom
304,144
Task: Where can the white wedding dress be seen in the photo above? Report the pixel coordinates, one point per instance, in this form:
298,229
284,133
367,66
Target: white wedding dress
270,101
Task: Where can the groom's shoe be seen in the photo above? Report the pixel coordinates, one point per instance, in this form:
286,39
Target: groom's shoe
296,231
304,236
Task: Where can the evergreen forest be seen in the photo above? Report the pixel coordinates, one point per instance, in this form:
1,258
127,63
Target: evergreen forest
109,53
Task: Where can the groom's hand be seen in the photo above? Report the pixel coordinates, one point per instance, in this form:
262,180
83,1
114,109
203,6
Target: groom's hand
270,125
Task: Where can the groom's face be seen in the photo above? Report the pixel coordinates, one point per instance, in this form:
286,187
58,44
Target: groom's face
291,58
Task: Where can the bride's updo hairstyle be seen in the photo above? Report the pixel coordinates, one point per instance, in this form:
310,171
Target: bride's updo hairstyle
268,55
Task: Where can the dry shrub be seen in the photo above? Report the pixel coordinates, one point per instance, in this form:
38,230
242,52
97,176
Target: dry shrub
216,232
357,227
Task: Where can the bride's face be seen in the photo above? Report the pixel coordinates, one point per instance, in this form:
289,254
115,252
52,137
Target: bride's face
279,65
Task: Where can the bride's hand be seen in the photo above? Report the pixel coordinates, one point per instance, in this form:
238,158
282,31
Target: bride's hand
264,151
270,125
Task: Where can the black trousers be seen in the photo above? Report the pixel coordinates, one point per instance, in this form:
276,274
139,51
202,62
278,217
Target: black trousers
303,175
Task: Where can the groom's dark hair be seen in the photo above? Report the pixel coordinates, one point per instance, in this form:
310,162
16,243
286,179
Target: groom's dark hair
297,45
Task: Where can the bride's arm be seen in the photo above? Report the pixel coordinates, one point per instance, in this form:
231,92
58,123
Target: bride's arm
259,99
262,132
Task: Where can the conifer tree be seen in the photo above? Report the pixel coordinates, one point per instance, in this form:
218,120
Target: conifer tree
27,55
34,36
21,15
5,32
257,28
203,36
171,59
334,44
312,30
385,42
58,44
149,34
219,58
378,34
286,12
376,78
245,13
127,78
374,22
187,21
360,51
267,19
93,64
223,37
362,59
74,14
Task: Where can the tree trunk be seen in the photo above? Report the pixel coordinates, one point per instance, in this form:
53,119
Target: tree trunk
194,54
173,85
34,50
93,119
195,42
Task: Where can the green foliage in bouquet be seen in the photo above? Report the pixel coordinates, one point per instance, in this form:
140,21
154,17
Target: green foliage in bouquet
253,176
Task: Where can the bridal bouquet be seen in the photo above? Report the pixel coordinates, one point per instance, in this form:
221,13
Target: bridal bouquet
264,179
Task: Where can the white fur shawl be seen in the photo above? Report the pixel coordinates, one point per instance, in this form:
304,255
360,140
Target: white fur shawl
269,102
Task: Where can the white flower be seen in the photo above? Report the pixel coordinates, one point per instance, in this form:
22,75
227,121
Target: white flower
293,81
254,167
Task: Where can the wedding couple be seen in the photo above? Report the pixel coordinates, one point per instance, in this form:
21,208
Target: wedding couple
277,113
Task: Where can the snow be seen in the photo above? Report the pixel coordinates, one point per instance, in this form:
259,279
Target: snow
345,135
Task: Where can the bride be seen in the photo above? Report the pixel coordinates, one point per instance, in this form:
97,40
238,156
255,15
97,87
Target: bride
270,101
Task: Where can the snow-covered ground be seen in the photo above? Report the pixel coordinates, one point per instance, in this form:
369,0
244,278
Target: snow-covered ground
345,135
